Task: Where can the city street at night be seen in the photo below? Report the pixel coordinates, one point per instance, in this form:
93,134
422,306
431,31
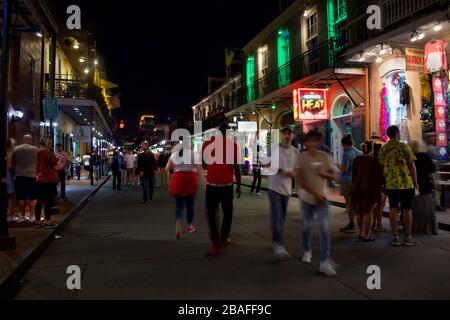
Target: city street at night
127,250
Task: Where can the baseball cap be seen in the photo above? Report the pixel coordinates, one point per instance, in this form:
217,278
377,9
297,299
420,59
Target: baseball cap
287,128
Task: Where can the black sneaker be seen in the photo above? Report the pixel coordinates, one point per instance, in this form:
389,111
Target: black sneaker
350,228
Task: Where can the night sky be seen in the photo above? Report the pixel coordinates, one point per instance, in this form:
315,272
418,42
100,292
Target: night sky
161,52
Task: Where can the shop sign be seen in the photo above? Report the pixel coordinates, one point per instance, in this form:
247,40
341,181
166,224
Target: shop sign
82,134
247,126
415,60
51,108
310,104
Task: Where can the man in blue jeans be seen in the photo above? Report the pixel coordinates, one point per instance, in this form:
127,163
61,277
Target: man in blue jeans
313,169
284,156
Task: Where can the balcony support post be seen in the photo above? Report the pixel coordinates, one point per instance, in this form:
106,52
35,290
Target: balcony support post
52,58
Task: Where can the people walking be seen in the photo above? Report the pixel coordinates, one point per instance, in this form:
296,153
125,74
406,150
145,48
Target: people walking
219,190
63,159
284,157
183,186
129,163
399,169
10,145
424,218
24,162
78,162
257,178
350,153
87,165
47,178
366,189
116,168
147,168
313,169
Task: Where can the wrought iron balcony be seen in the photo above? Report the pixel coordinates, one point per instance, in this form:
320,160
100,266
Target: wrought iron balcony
397,11
310,62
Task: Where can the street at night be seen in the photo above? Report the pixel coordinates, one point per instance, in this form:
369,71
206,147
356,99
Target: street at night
225,158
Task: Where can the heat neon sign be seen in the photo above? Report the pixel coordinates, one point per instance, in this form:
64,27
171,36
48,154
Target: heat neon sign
310,104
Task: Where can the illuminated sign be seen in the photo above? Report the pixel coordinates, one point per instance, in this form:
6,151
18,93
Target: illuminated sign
310,104
247,126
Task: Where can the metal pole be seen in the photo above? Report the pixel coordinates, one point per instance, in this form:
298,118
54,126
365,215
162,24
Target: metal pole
91,167
6,242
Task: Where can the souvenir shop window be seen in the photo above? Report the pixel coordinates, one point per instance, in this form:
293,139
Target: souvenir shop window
395,99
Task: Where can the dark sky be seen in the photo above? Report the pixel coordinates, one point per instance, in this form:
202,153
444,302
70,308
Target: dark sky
161,52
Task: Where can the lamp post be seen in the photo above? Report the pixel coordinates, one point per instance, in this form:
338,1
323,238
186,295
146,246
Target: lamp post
7,242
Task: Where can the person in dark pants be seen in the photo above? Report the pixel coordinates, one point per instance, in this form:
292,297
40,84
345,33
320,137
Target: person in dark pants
47,178
116,168
219,190
63,159
257,178
146,168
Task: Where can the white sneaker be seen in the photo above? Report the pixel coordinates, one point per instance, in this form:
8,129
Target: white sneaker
258,194
328,269
307,257
280,252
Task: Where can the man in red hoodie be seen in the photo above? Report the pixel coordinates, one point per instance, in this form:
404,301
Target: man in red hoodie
221,156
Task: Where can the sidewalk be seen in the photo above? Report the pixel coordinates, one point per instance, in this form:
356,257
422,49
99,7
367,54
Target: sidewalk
337,200
30,239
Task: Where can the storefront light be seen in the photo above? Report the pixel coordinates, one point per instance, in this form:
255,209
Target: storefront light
383,49
47,123
379,59
414,36
55,124
421,36
437,27
86,70
39,34
41,124
82,59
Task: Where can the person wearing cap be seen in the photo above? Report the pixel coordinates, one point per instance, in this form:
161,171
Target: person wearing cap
284,156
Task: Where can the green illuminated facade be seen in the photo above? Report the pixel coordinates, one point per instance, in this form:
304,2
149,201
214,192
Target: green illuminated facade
250,78
283,50
337,17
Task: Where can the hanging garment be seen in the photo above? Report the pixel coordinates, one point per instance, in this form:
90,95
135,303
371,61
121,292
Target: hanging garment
435,56
405,95
425,87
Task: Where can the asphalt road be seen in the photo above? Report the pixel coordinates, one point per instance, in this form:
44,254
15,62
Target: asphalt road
127,250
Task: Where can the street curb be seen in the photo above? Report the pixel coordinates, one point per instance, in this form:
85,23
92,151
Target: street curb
442,226
10,282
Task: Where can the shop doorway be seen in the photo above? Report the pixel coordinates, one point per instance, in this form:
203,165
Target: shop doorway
344,122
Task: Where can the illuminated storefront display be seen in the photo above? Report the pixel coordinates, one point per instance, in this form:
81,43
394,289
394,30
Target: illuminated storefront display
310,104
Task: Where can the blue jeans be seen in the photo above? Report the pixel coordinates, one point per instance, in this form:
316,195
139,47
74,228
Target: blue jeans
322,211
187,202
278,205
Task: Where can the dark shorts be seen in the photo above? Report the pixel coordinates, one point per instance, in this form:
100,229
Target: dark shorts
26,188
403,197
87,168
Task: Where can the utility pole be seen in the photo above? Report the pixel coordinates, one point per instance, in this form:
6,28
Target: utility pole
7,242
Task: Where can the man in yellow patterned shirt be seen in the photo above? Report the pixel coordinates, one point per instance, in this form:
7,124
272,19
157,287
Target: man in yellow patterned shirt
397,161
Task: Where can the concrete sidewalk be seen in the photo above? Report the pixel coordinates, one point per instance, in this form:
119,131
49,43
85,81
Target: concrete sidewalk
127,250
30,241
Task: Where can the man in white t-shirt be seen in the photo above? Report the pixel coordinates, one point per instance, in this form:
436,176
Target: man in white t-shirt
313,169
284,156
129,164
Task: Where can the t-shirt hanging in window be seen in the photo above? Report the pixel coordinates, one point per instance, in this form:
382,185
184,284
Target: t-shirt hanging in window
435,56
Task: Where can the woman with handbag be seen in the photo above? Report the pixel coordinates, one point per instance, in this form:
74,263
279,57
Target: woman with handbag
47,166
183,185
424,219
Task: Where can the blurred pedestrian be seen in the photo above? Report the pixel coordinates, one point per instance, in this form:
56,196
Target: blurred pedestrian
78,162
47,178
366,189
220,185
87,165
24,161
63,160
10,145
162,163
313,169
129,162
257,178
400,174
183,185
116,168
350,153
284,157
147,169
424,219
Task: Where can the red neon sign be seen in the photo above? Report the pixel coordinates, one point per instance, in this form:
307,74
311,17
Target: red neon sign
310,104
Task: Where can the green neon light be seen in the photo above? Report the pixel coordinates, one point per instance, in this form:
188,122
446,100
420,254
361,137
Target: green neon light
283,50
250,79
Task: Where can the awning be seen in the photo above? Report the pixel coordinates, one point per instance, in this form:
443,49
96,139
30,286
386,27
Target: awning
85,112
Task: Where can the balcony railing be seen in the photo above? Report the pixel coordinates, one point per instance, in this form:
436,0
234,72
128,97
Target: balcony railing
310,62
75,88
396,11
